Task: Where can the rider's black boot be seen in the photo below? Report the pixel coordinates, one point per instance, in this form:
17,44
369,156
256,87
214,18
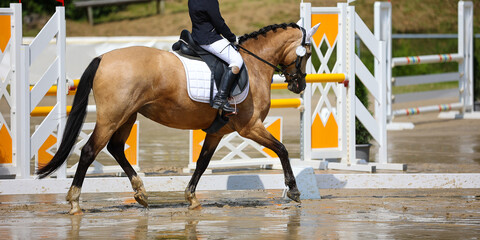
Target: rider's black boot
221,99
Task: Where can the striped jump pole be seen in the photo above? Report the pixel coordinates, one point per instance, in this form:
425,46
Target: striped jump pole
426,109
438,58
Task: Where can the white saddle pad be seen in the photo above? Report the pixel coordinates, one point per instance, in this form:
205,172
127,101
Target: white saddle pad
198,81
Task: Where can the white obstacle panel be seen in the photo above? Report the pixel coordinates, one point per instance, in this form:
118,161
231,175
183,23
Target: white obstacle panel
324,123
10,42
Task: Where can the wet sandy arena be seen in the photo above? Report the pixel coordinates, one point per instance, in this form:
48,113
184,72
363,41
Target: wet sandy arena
344,214
434,146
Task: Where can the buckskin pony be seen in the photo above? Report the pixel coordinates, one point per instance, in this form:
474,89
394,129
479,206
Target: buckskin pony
152,82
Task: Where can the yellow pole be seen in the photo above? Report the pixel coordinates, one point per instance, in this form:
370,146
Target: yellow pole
45,110
325,77
275,86
286,103
53,90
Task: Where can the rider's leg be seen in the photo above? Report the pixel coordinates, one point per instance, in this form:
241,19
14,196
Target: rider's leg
221,99
227,53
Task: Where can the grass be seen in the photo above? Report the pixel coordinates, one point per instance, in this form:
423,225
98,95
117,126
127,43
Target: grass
128,12
424,87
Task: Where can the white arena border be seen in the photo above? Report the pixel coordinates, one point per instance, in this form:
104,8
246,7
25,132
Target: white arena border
246,182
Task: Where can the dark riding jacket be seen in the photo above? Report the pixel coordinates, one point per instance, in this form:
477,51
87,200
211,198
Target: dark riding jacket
207,22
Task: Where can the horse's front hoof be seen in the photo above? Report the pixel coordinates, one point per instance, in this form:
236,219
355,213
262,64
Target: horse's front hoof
76,210
294,195
141,198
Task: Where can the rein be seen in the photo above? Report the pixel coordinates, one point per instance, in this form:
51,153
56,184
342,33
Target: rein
263,60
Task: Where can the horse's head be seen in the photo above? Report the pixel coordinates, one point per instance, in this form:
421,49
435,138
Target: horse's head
295,61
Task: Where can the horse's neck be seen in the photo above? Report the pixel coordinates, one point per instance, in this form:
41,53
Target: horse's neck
271,49
268,49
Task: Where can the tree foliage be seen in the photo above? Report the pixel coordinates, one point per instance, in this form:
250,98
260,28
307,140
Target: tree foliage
47,7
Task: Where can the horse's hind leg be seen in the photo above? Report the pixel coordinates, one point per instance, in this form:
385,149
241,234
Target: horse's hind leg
209,146
260,135
116,146
94,145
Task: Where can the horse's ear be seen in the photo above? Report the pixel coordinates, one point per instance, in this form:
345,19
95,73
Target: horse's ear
300,22
312,31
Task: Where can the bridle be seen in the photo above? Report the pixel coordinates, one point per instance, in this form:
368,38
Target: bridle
292,77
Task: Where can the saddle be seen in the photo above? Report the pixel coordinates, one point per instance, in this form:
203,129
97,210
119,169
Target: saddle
187,47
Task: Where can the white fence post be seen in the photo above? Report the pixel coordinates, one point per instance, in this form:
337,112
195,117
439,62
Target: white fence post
22,110
383,71
306,114
61,84
348,12
465,49
383,32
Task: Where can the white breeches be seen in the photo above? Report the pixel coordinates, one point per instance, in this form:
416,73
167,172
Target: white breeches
226,52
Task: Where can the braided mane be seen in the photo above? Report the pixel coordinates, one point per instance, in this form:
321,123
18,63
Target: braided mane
265,30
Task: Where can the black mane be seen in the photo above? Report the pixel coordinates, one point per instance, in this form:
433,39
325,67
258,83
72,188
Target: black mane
265,30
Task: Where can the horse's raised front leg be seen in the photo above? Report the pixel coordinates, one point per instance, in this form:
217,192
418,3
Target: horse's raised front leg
261,136
209,146
116,146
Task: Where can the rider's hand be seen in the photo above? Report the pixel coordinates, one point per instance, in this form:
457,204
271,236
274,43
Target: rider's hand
234,45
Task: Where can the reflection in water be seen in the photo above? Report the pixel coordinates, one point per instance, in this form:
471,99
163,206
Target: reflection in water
75,222
191,229
258,224
476,149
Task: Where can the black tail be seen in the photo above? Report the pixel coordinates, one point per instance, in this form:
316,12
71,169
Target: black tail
74,121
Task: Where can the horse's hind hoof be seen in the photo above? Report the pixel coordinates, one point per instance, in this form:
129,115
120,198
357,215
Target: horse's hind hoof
141,198
294,195
194,203
75,213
